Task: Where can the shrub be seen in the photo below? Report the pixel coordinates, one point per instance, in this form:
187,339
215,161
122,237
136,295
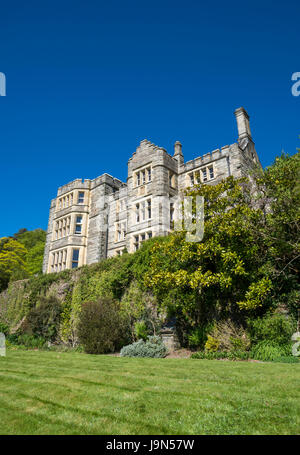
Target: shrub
43,320
4,328
276,328
287,359
102,327
140,330
198,336
268,351
231,337
153,347
212,344
31,342
210,355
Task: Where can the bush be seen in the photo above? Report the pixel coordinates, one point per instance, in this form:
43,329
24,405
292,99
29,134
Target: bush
287,359
210,355
275,328
269,351
31,342
102,327
140,330
198,336
153,347
212,344
230,336
43,320
4,328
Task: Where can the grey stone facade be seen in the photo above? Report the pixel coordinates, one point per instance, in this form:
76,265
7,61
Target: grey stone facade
93,219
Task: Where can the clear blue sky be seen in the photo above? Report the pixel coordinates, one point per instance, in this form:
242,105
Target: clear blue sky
88,80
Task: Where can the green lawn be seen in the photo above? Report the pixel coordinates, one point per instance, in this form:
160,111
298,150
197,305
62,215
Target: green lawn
71,393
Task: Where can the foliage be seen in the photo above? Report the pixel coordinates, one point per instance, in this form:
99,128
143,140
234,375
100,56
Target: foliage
4,328
30,238
219,275
230,335
12,261
30,341
287,359
153,347
212,344
198,336
276,328
278,195
102,326
141,309
34,258
268,351
140,330
43,320
218,355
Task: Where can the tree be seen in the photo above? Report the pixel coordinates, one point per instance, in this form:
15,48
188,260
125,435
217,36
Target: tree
278,194
12,261
34,242
43,320
222,274
102,326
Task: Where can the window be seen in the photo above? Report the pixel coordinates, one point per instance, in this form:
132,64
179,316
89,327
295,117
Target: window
207,173
78,225
80,197
171,215
75,258
61,228
136,243
120,231
138,239
142,176
172,181
123,230
143,211
58,261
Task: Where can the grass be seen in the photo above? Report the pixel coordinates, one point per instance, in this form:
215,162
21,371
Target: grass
72,393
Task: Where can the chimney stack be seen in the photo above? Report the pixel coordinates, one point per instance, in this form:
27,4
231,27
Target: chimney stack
242,120
178,155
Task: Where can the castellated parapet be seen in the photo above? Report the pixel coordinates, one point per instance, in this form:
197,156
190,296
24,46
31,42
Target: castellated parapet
90,220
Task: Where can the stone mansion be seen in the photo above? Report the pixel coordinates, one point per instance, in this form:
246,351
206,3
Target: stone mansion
90,220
